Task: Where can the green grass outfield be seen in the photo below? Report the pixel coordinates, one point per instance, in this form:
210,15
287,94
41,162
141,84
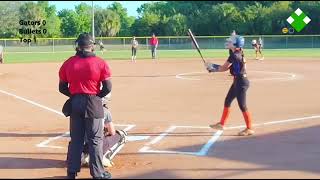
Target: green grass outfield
32,57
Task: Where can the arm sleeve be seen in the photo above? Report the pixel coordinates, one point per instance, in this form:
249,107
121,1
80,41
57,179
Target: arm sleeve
106,88
64,89
63,74
63,83
105,72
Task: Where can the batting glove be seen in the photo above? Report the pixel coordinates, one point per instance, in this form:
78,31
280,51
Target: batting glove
212,67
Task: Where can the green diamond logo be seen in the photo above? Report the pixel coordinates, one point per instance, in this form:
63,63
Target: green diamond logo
298,20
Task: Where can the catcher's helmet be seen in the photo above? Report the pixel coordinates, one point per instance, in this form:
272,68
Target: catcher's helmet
84,40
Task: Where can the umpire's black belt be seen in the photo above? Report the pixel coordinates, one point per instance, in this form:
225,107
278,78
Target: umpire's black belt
94,107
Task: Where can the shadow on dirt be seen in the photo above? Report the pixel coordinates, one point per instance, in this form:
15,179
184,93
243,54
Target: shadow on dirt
12,134
291,150
158,174
55,177
29,163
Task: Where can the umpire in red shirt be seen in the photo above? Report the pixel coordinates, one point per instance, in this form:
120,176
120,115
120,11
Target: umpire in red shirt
81,77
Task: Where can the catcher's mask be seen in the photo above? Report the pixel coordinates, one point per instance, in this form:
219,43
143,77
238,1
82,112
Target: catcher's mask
84,40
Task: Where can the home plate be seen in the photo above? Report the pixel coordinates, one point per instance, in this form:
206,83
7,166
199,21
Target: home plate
137,138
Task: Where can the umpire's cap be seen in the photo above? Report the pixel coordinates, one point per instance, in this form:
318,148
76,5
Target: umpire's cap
84,40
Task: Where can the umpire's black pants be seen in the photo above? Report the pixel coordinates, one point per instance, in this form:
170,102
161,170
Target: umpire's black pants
79,125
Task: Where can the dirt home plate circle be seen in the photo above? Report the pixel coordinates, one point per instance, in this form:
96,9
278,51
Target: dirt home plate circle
255,76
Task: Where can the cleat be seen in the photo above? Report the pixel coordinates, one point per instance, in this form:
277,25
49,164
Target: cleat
107,162
105,175
246,132
217,126
85,160
71,175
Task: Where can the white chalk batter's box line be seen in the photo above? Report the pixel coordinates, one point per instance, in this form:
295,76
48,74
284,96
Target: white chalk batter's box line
203,151
215,137
45,143
146,148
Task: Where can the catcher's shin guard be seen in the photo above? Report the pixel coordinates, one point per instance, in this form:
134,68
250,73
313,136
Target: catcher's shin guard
113,144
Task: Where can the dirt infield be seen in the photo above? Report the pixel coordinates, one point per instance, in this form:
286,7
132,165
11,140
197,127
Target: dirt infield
169,105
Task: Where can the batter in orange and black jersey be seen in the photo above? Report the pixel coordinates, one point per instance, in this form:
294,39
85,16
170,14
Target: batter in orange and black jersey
237,65
241,83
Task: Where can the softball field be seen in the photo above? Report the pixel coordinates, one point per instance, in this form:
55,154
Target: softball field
166,107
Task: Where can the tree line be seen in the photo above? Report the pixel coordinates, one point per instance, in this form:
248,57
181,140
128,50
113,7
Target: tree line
166,18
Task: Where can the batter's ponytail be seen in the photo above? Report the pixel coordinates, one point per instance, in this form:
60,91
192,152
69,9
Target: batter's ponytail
242,52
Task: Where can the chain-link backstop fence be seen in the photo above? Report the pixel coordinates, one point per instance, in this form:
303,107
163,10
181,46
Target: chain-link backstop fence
165,43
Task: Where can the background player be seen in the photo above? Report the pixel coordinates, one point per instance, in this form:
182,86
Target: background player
101,45
154,45
257,45
134,47
239,86
1,55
